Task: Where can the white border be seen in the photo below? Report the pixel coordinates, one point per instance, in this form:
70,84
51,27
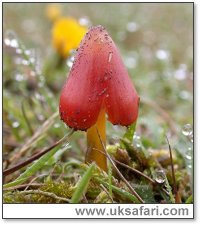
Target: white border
112,211
197,93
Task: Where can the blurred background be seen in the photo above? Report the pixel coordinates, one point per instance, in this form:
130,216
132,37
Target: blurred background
155,42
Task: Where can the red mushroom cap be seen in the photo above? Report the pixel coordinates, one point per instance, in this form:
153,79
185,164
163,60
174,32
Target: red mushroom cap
98,79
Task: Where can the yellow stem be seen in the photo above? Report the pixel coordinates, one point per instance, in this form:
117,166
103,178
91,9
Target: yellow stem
95,149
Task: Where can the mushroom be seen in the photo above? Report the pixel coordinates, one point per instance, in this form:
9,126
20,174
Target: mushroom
98,84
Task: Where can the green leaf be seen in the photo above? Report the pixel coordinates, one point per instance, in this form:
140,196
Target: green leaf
189,199
145,192
169,189
82,185
130,132
32,169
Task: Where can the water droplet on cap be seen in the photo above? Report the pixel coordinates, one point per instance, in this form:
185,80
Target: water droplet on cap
71,58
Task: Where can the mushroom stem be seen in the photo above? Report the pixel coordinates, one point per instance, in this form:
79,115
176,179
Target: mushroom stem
95,151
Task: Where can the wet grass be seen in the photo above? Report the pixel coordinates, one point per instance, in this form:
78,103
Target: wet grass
155,41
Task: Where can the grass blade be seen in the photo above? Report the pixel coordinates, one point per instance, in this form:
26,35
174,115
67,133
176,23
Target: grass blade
82,185
130,132
110,179
38,135
189,200
32,169
119,191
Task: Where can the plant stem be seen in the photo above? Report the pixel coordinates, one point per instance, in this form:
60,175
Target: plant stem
119,173
94,143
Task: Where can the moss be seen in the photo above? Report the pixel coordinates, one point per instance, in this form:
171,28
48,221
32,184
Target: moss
60,189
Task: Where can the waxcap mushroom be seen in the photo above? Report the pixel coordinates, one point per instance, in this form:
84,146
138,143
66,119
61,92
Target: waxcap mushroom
98,80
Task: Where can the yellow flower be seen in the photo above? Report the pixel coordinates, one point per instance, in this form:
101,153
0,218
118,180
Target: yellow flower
53,12
66,35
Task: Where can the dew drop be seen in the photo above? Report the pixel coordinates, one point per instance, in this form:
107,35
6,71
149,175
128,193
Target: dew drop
65,145
160,176
10,39
132,27
136,137
25,62
71,58
18,61
185,95
188,154
84,21
19,51
189,166
138,145
39,96
19,77
181,73
27,52
15,124
162,54
190,136
41,81
136,141
187,130
56,125
32,60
